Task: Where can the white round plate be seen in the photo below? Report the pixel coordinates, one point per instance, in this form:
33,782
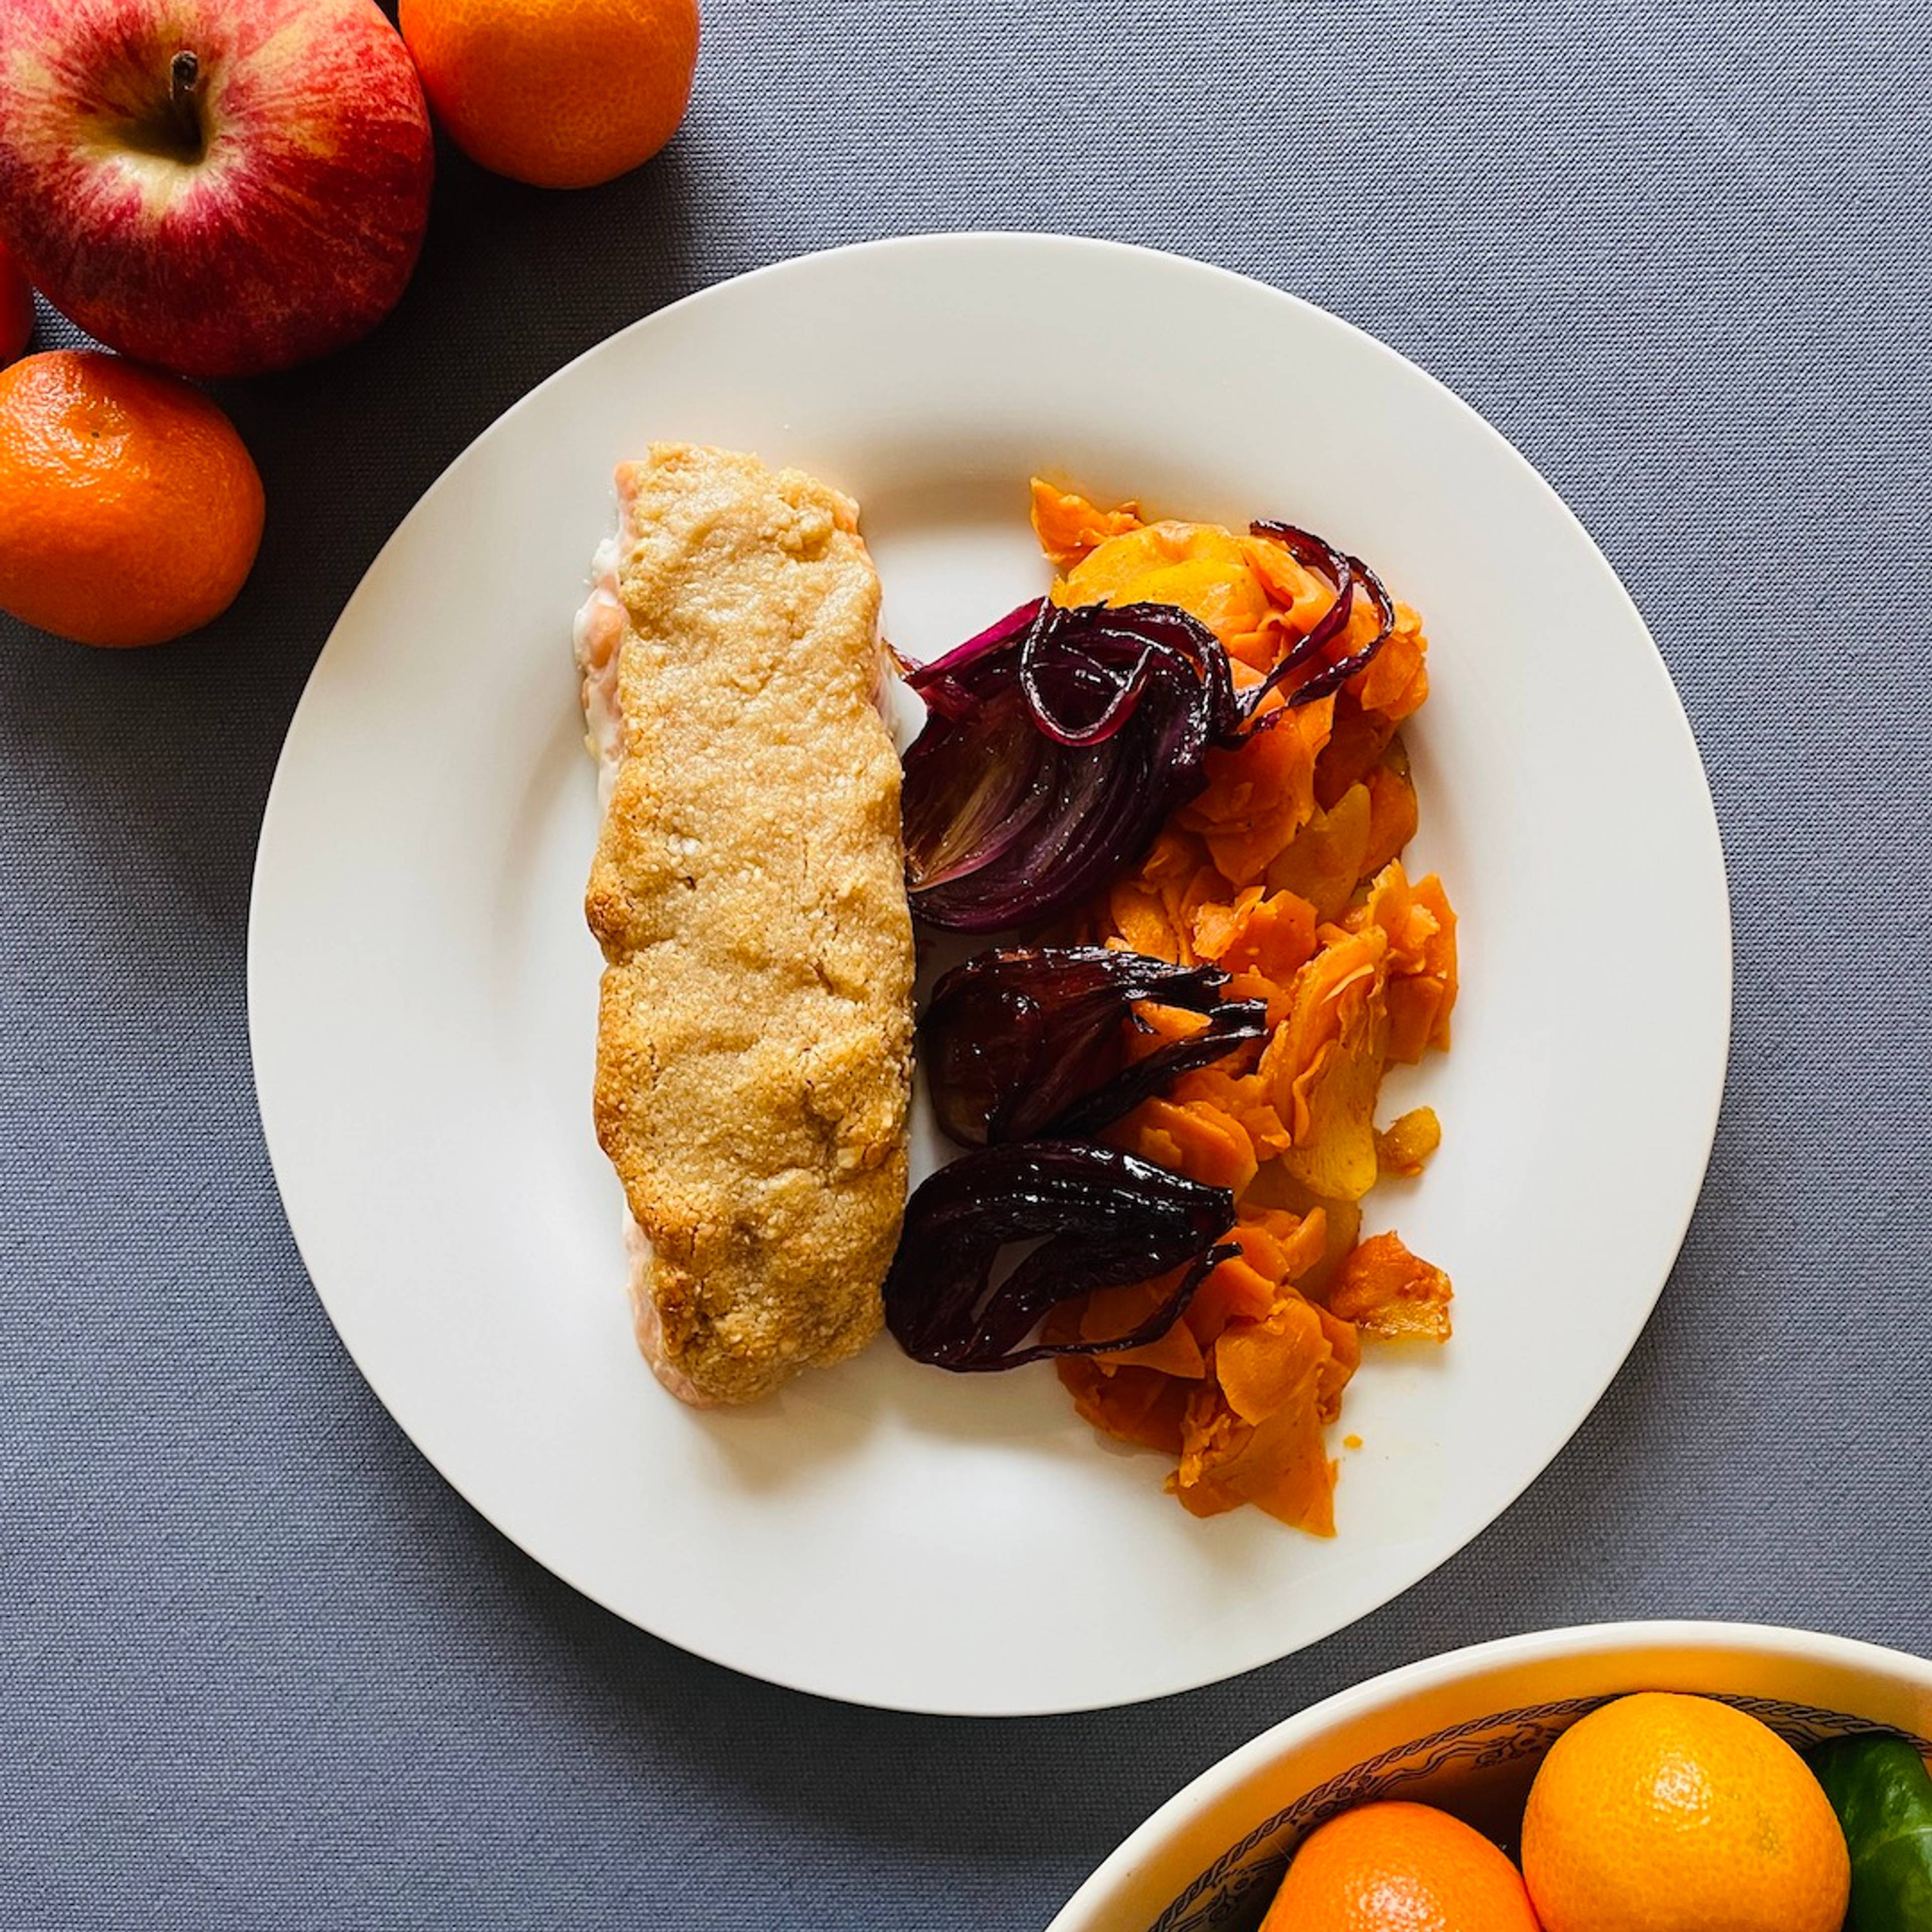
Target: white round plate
422,989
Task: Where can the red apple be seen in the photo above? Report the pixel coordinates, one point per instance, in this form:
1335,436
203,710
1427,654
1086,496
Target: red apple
222,187
17,309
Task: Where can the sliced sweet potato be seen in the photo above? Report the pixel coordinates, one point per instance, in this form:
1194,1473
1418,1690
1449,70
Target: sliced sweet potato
1242,1096
1111,1312
1268,935
1155,1026
1345,1347
1069,527
1197,1138
1252,1433
1386,1291
1357,742
1403,1147
1285,872
1198,567
1416,1011
1323,1066
1335,1157
1237,1290
1304,597
1392,816
1396,681
1438,954
1260,793
1137,914
1323,861
1421,976
1133,1405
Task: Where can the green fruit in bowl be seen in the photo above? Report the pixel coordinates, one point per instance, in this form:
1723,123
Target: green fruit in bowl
1882,1793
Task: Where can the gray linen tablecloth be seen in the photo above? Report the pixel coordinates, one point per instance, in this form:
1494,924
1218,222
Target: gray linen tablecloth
263,1669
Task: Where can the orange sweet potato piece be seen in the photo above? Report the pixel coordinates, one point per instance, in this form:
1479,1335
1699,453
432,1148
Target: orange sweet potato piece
1324,862
1282,1466
1438,953
1395,681
1417,1015
1345,1347
1265,1366
1153,908
1199,1139
1199,567
1304,597
1393,817
1392,906
1069,527
1242,1096
1422,972
1150,1143
1277,1247
1111,1312
1270,935
1134,1405
1302,1244
1324,1067
1263,1239
1136,912
1176,1354
1408,1142
1236,1291
1342,1228
1336,1157
1253,1432
1385,1290
1155,1026
1358,741
1260,793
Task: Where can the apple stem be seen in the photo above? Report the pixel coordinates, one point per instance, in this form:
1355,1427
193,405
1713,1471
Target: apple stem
183,86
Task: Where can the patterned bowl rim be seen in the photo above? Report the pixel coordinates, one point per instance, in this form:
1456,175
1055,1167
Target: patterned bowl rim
1094,1907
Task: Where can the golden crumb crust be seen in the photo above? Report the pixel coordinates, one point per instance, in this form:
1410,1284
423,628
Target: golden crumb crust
754,1034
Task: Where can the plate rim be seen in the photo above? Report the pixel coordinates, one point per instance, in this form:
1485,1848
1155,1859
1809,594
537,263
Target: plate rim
1722,963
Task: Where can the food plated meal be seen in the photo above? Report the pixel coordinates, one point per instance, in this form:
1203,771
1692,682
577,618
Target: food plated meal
1177,783
754,1045
463,1236
1186,759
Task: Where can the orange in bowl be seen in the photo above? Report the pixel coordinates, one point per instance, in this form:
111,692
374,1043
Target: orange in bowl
557,93
1661,1812
130,510
1395,1866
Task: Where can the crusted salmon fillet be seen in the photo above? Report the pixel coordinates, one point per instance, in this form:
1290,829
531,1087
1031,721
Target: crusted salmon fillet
754,1030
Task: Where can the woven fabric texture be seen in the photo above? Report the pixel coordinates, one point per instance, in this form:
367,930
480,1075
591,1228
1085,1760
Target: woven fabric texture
261,1668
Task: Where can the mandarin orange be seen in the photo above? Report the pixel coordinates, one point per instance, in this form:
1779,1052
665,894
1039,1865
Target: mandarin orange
557,93
1661,1812
130,510
1394,1867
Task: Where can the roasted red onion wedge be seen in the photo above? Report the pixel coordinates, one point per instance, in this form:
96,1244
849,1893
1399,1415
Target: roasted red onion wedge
1055,745
1099,1218
1022,1043
1058,742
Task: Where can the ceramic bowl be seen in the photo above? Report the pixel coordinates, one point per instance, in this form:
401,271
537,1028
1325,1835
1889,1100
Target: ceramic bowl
1466,1731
